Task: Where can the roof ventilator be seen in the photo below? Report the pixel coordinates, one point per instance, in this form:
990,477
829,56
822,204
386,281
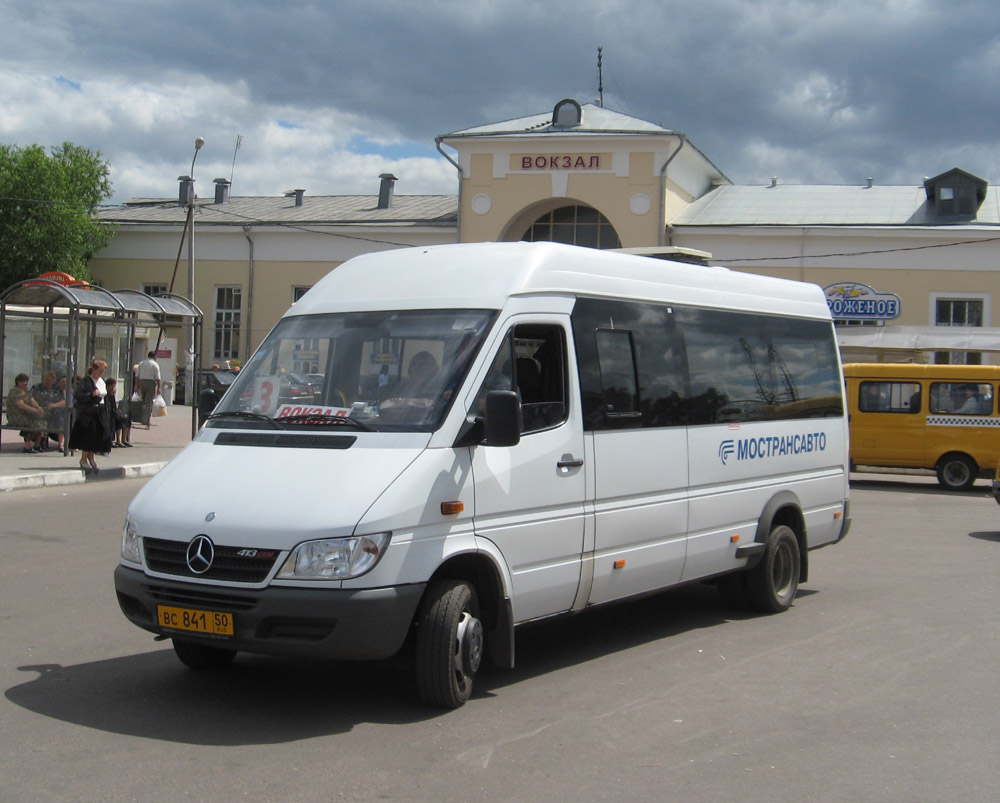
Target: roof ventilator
385,190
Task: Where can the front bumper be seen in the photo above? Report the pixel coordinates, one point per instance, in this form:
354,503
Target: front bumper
341,624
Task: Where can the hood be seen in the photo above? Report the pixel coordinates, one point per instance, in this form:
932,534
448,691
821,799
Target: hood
270,497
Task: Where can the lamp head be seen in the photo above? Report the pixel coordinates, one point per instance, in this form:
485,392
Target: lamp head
198,143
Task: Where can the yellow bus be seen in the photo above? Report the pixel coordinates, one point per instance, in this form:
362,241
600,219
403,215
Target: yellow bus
939,417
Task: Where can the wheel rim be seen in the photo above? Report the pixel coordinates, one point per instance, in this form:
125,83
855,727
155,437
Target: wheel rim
468,652
956,472
783,570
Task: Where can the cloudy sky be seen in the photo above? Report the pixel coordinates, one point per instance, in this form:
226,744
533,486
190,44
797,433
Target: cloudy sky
327,95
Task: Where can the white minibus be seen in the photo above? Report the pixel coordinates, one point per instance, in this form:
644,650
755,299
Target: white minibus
496,434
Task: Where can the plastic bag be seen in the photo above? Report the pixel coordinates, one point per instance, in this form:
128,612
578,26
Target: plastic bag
159,406
136,396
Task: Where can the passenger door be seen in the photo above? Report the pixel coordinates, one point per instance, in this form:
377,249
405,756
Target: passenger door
640,478
530,497
890,425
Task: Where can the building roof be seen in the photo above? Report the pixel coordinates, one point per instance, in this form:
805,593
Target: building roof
594,119
336,210
824,205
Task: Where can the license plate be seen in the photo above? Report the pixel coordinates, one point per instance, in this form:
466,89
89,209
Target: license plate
211,623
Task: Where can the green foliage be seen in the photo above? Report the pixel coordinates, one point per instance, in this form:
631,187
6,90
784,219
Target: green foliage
47,203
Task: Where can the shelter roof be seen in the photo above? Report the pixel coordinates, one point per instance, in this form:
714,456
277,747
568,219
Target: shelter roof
124,303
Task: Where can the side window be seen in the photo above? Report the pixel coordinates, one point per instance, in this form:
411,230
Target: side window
961,398
890,397
616,358
531,361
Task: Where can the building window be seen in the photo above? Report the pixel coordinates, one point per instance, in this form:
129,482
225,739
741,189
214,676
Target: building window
958,312
575,225
228,303
154,289
298,292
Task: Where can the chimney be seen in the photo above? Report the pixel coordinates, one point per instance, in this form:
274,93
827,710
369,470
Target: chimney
774,181
185,194
870,181
221,191
385,190
298,196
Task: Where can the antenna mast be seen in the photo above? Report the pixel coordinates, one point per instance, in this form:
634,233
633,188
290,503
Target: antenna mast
239,141
600,75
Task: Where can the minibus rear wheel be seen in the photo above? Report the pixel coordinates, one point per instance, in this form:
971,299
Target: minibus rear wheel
450,643
772,583
202,656
956,472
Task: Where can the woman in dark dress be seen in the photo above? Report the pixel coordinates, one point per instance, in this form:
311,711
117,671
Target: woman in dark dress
90,432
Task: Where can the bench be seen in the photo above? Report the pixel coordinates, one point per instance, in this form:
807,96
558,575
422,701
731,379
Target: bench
4,424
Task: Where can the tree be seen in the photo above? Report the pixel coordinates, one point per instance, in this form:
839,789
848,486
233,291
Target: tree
47,205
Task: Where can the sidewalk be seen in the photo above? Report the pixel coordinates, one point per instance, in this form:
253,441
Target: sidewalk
151,450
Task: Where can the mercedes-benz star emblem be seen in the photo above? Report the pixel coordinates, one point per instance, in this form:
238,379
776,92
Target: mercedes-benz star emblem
200,554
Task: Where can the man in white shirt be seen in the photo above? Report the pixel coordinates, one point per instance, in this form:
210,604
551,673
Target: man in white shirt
149,378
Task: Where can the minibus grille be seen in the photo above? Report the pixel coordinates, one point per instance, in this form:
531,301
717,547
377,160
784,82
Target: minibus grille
196,597
285,440
170,557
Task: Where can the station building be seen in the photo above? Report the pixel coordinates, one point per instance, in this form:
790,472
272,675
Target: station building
908,270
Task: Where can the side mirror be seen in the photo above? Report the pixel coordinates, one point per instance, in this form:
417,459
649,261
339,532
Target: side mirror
503,418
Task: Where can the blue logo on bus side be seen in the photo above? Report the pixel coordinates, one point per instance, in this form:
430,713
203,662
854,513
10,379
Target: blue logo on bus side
771,446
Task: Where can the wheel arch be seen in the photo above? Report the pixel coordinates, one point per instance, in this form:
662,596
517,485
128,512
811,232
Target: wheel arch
482,571
785,508
958,453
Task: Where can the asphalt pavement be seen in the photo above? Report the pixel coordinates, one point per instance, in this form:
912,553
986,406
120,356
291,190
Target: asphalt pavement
152,449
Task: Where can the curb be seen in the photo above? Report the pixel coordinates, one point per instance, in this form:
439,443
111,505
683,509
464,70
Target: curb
73,476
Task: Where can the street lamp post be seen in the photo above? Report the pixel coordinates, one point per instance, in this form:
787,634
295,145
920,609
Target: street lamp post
189,367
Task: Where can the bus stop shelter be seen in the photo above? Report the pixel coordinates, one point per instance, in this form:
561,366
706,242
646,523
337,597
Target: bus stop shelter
60,326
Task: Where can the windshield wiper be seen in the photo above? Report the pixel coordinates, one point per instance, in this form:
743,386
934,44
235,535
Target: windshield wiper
322,418
245,414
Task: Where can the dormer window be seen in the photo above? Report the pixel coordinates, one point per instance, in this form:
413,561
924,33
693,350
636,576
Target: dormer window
955,195
567,114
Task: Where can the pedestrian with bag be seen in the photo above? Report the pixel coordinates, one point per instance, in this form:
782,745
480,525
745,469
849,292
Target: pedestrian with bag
90,433
149,378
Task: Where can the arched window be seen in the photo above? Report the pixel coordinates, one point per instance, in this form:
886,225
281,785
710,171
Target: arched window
575,225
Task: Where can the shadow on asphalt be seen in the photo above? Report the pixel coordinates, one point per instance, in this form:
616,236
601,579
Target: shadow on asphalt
915,487
986,536
265,700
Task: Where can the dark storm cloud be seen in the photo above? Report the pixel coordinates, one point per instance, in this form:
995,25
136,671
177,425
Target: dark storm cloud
817,92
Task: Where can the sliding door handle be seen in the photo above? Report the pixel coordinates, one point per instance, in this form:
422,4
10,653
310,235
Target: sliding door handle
570,462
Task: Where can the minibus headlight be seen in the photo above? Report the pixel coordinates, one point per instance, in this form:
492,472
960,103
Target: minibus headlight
334,558
131,542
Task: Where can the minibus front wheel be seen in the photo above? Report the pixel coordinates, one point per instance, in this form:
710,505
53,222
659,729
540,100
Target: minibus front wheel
450,644
956,472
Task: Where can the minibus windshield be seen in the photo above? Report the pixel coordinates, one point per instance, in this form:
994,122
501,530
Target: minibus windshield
379,371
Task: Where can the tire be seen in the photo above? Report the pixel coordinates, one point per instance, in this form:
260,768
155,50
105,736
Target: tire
772,583
450,641
202,656
956,472
733,590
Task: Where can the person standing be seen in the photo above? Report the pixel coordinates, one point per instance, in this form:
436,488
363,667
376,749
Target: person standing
90,433
149,378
